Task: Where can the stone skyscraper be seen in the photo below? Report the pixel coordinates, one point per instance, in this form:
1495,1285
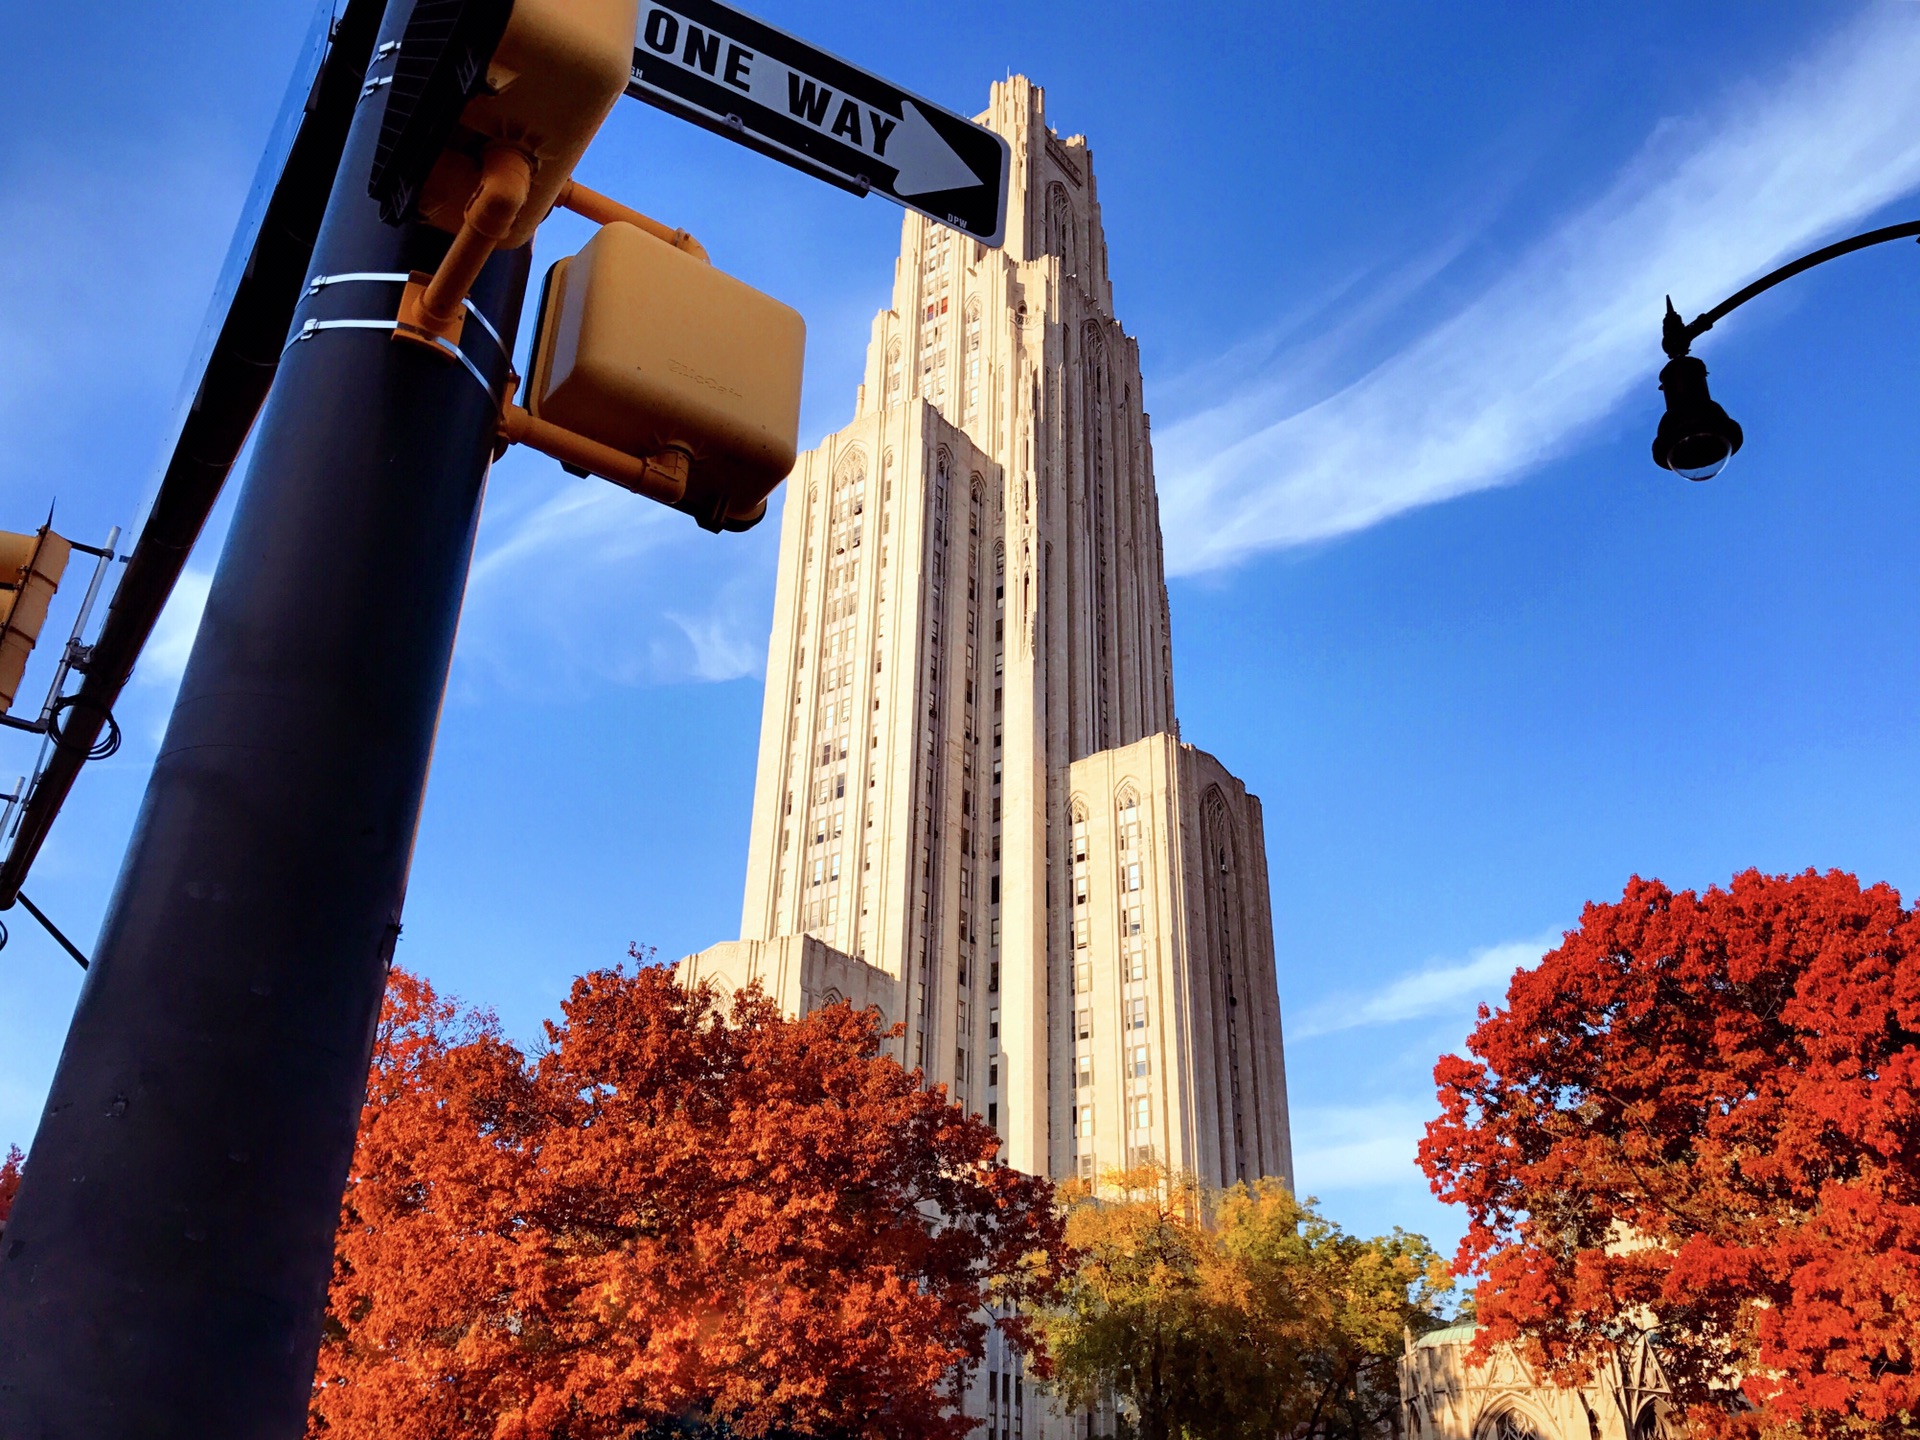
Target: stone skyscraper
973,807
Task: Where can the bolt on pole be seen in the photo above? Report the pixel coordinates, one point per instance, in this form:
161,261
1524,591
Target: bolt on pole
165,1267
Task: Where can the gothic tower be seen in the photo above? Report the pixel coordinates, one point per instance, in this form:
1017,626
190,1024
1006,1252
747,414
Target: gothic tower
973,807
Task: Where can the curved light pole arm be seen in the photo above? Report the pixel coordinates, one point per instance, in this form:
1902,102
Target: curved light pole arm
1676,337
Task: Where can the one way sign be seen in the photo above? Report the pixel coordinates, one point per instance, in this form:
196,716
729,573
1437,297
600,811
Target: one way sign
742,78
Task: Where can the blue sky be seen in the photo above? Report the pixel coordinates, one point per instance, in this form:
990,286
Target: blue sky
1396,271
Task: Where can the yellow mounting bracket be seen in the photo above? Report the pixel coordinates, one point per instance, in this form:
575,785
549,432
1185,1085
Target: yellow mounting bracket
432,307
661,476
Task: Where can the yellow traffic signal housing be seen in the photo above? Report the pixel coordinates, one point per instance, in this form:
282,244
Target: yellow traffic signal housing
646,350
30,571
558,70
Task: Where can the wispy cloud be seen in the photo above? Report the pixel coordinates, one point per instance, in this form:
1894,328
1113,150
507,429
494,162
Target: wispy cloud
723,647
1519,374
577,581
1354,1147
1449,986
164,660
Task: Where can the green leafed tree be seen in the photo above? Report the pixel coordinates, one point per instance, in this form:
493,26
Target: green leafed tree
1238,1316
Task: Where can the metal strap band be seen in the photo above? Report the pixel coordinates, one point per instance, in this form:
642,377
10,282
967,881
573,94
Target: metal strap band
313,327
487,325
320,282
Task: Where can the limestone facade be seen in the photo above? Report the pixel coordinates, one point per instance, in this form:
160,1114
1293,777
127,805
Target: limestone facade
971,779
1445,1397
799,973
1166,855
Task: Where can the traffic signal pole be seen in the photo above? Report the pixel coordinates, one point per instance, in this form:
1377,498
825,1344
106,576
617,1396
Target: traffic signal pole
165,1266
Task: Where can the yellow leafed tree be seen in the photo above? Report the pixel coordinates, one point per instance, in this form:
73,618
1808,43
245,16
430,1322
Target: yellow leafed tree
1244,1315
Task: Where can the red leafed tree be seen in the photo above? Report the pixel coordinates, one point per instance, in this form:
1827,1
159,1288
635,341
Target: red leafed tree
9,1180
1701,1115
670,1210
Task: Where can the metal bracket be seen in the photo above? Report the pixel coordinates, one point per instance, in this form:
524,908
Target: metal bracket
315,327
383,51
51,929
310,328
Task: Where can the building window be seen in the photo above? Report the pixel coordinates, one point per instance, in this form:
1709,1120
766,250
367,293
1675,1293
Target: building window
993,1023
1142,1062
972,360
1142,1112
1137,1013
1083,1070
1083,1024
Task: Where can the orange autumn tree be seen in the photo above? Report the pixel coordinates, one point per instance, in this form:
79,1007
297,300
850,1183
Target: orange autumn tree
673,1208
9,1181
1700,1116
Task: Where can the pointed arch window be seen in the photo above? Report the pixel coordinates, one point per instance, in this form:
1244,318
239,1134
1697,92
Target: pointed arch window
1511,1425
971,344
1060,227
896,373
1079,876
1130,878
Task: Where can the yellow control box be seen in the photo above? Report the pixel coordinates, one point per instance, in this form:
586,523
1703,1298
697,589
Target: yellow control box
559,69
644,348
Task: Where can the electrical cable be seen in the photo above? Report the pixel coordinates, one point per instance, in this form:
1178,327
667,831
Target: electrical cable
102,749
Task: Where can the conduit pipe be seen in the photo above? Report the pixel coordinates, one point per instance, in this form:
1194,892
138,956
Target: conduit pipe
661,477
605,210
431,308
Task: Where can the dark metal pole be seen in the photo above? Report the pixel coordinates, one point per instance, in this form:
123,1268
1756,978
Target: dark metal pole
167,1258
1676,336
228,393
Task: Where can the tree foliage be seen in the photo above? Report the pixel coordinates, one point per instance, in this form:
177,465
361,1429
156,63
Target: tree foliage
1241,1316
9,1181
669,1211
1701,1114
